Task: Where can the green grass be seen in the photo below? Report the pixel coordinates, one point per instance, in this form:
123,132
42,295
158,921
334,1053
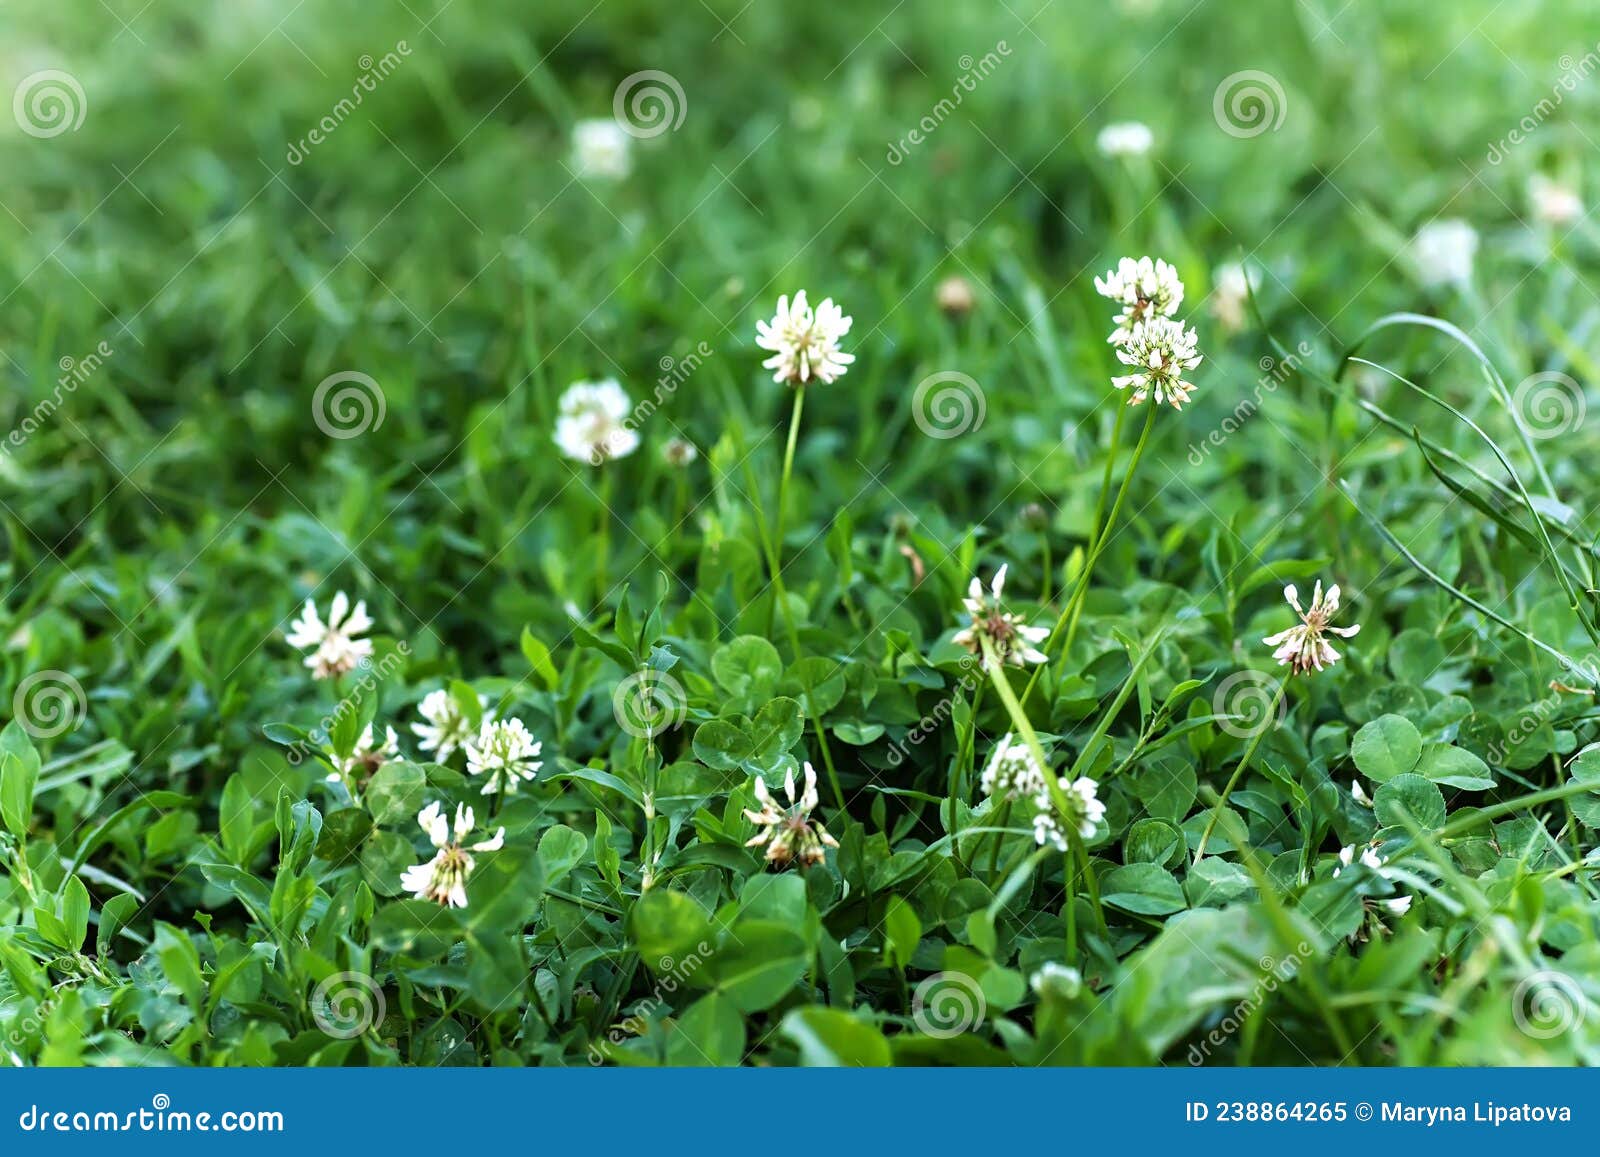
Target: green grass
178,884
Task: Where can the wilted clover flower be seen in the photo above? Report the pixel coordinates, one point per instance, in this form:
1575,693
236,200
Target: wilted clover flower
443,879
1161,350
1302,647
1144,288
679,452
365,758
805,344
592,425
1010,639
788,831
446,728
506,753
335,650
1012,772
1084,811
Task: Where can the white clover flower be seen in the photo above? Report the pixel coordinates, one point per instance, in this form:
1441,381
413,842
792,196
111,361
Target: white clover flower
787,830
1084,811
1358,793
679,452
1056,979
1443,251
1011,640
1554,203
443,879
805,344
1399,905
505,751
1125,139
601,148
592,425
1230,295
1012,772
334,648
365,758
1347,856
446,728
1144,288
1161,350
1302,647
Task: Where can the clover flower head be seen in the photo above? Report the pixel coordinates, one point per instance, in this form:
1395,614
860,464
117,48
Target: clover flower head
1084,811
1230,294
1012,772
1347,856
1443,251
787,830
1359,795
1555,203
365,758
443,879
1161,350
601,148
1144,288
506,753
1302,648
592,425
1052,978
445,728
679,452
1009,639
334,646
805,342
1125,139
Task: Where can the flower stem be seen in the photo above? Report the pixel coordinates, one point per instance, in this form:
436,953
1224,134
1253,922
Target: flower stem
783,491
603,534
1238,772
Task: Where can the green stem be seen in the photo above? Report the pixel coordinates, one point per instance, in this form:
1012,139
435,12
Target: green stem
783,487
1238,772
603,533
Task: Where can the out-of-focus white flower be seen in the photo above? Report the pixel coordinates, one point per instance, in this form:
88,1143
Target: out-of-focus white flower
1230,295
505,752
1056,979
446,728
1012,772
1011,640
805,343
443,879
1161,351
601,148
1443,251
365,758
955,296
1302,647
335,649
1144,288
592,425
787,830
1125,139
1084,811
679,452
1554,203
